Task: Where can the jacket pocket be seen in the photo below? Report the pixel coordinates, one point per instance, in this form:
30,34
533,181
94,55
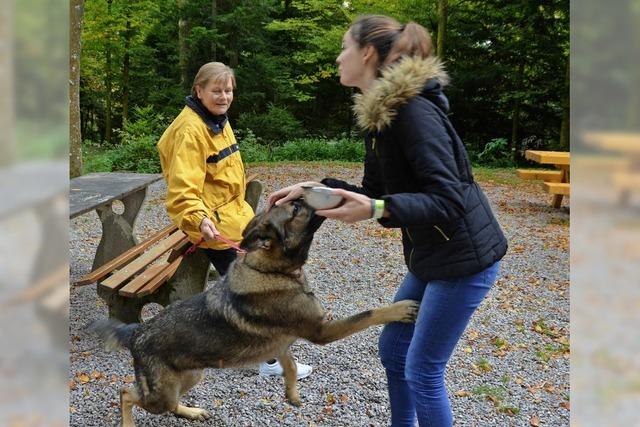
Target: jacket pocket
442,233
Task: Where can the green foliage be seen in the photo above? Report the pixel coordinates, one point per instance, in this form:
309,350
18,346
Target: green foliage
251,150
496,153
274,126
287,82
307,149
140,155
320,149
145,123
137,151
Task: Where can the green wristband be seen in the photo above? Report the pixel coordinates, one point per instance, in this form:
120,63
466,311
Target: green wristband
377,208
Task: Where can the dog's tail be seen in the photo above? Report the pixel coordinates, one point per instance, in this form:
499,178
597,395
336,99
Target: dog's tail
114,333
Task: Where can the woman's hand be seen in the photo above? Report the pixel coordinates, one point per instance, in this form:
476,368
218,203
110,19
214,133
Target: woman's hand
291,192
208,230
355,207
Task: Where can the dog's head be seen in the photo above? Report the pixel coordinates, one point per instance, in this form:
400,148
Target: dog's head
283,234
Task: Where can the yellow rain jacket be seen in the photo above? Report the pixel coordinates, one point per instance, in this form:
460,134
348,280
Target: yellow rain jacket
205,178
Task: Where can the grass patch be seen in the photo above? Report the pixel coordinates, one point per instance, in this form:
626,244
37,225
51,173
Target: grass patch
496,395
551,351
484,365
505,176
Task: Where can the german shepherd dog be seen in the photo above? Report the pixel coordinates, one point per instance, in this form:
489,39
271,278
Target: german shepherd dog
260,308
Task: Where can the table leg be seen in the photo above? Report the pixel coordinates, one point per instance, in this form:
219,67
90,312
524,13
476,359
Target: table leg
557,198
117,229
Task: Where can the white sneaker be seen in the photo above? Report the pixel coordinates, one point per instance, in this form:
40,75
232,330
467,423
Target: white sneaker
275,369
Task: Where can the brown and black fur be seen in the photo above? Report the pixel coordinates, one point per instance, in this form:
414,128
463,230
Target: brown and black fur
260,308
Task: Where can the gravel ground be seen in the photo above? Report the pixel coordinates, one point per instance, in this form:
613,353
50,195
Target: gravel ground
510,368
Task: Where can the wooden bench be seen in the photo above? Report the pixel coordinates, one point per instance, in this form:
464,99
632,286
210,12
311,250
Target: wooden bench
540,174
561,188
625,183
157,270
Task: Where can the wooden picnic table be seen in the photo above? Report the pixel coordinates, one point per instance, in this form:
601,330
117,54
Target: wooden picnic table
40,188
562,161
626,177
621,142
98,191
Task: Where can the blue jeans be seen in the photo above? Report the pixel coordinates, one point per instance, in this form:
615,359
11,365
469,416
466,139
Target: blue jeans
415,356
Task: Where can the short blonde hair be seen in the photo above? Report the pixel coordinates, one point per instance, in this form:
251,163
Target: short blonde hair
216,71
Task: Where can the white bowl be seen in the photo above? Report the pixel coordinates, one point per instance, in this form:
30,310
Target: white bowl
321,197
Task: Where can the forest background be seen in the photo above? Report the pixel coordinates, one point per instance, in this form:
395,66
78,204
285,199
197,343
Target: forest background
508,62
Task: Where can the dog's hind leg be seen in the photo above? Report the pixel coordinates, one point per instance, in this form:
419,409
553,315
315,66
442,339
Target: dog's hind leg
188,380
128,398
289,370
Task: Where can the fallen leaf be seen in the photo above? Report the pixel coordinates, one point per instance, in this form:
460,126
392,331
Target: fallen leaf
330,399
97,375
344,398
72,385
565,405
129,379
83,378
534,421
462,393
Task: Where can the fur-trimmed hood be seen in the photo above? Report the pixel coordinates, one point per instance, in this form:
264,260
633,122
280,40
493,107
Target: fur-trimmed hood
377,107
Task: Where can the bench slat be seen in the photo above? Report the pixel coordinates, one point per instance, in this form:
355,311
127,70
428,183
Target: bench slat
629,180
540,174
160,279
131,288
562,188
125,257
136,285
117,279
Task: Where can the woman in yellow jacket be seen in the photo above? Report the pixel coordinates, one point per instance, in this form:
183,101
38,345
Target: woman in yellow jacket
205,175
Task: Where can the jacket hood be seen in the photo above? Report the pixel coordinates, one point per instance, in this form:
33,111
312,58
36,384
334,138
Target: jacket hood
411,76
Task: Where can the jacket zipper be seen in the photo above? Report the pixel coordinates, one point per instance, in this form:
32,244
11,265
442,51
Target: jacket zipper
441,232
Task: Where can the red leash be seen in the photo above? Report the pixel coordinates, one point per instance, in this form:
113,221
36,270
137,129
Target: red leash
231,243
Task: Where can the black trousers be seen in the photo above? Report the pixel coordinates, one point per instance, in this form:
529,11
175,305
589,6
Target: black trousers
221,259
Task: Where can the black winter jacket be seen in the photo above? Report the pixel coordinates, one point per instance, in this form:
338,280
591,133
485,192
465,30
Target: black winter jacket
417,164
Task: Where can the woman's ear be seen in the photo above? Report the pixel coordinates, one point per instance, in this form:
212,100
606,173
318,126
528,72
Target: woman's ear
370,54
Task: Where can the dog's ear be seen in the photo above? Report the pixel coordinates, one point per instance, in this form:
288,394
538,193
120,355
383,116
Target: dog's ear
256,236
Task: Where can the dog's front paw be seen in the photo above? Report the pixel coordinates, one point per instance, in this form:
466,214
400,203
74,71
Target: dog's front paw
196,414
407,310
294,398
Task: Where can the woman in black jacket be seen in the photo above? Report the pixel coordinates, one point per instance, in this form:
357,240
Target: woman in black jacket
417,177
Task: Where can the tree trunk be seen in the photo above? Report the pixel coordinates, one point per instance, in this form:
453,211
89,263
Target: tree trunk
566,110
443,11
126,71
7,105
75,48
214,17
108,83
515,120
183,47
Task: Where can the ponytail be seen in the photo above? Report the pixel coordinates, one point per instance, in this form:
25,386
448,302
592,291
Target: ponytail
390,39
412,40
